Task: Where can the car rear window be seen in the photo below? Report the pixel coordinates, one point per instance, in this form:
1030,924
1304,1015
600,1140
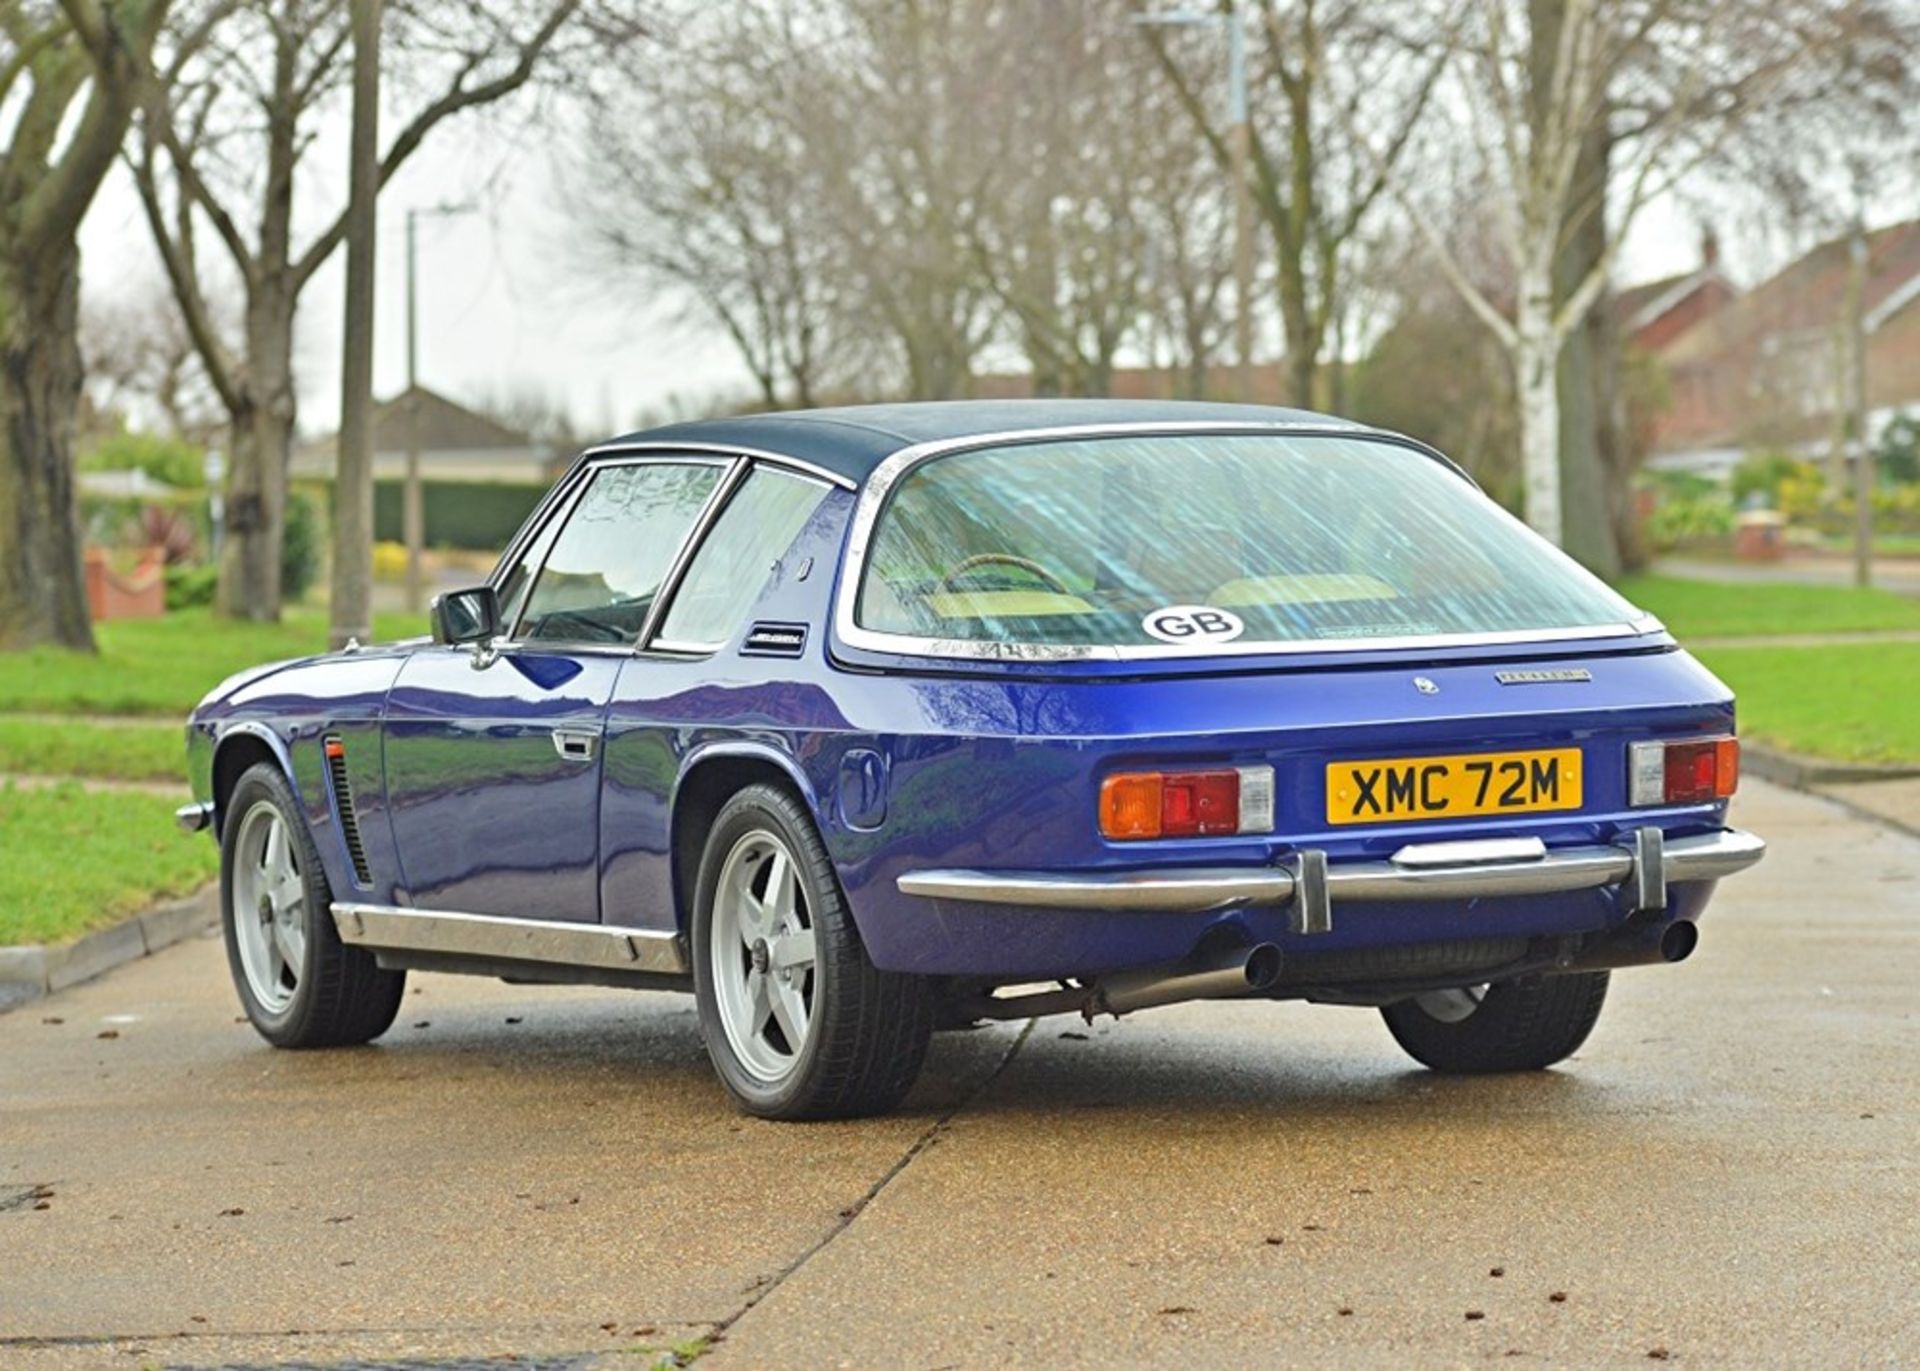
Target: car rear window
1205,540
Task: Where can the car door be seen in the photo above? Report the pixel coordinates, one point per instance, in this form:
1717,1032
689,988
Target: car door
493,755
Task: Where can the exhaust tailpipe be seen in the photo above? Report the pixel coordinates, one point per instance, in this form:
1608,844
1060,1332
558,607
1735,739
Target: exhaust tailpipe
1638,945
1243,971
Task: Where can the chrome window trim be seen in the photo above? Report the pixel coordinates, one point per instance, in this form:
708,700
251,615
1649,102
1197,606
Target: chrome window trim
819,473
887,474
730,472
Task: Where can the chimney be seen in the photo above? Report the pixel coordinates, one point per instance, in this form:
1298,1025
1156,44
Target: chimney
1709,249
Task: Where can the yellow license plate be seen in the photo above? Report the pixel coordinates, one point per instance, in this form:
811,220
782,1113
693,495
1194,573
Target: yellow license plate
1401,788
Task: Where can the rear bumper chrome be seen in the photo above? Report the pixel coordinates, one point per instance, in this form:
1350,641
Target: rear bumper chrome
194,818
1309,885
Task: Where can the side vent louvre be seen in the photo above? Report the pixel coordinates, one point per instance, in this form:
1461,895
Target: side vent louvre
343,801
775,640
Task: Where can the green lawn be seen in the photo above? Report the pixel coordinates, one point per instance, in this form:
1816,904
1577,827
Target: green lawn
162,666
1711,609
49,746
75,860
1855,703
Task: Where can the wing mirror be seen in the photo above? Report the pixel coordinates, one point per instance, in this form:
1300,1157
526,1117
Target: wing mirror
466,616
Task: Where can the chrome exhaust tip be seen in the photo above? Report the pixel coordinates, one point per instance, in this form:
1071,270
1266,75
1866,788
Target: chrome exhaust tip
1244,971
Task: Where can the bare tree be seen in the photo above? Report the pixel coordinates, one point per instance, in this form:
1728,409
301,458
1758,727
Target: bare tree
1664,82
224,139
68,83
1321,70
140,362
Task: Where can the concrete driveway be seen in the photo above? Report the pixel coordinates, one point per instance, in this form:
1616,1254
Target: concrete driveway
1727,1173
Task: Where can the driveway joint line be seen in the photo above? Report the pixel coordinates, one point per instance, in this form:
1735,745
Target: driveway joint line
846,1217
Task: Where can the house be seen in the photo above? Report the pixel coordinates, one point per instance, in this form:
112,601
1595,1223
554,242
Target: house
455,444
1652,316
1766,369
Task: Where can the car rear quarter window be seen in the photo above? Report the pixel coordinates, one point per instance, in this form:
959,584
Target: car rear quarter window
727,574
1195,540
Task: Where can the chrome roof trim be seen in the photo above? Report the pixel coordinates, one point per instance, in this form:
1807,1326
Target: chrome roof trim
807,468
873,495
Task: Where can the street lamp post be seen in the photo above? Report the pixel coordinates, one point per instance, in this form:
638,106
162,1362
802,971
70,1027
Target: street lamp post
413,515
1240,155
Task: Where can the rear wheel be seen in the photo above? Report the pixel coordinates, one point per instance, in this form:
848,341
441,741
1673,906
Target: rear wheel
798,1022
1520,1025
300,985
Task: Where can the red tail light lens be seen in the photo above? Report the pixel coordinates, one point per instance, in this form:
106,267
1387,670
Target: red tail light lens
1187,804
1691,772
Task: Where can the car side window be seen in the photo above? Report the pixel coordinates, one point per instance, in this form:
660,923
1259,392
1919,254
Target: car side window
737,557
608,561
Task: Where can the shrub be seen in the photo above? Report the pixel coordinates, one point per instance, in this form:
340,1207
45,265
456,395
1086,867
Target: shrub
173,460
300,548
389,561
1768,474
191,587
1899,451
1699,519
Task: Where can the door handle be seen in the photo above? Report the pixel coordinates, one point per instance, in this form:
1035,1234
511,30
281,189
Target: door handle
575,746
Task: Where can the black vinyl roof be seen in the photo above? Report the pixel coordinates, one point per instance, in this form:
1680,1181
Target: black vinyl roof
852,440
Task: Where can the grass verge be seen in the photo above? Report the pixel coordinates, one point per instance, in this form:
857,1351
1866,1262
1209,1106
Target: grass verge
76,860
1715,609
1853,703
163,666
79,747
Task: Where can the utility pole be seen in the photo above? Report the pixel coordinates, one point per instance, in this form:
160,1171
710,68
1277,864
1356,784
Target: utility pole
413,504
1861,443
351,611
1240,159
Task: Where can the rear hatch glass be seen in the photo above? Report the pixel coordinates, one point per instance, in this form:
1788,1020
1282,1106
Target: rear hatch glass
1198,543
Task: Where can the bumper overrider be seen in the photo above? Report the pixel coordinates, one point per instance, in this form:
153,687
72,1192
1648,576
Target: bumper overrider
1309,886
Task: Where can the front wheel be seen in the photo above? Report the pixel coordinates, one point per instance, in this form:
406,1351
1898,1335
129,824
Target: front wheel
1520,1025
798,1022
300,985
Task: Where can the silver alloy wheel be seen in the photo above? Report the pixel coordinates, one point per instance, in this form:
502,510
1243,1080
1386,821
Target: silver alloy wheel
1452,1006
269,907
762,947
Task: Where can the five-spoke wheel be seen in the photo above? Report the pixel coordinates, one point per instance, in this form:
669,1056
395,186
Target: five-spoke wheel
763,955
301,986
799,1022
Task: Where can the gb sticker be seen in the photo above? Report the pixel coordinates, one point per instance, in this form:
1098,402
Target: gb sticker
1193,624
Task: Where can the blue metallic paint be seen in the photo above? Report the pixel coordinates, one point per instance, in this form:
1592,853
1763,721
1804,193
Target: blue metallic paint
978,764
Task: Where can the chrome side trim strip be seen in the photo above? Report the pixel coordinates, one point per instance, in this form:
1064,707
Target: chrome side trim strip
873,495
393,928
1704,857
1176,892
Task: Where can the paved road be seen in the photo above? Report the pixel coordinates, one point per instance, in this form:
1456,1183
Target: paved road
1727,1173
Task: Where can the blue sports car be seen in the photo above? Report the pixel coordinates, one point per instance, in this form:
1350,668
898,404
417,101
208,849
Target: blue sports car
860,723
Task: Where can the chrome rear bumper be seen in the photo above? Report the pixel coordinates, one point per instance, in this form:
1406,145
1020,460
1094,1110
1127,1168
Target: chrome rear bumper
1310,885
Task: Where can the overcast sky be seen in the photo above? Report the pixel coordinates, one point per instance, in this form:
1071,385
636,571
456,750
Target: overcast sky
506,303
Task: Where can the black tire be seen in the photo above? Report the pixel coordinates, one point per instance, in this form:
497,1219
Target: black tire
340,996
1522,1025
869,1029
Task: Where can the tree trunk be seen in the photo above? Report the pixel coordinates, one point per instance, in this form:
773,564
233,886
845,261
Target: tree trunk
1536,382
42,594
262,446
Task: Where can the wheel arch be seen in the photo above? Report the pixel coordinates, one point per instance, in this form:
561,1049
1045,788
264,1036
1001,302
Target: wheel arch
241,748
707,780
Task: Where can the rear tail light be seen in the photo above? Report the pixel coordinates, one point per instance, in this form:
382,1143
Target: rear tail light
1691,772
1187,804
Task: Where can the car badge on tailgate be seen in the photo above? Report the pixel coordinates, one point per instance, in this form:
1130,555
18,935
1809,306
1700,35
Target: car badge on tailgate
1575,673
